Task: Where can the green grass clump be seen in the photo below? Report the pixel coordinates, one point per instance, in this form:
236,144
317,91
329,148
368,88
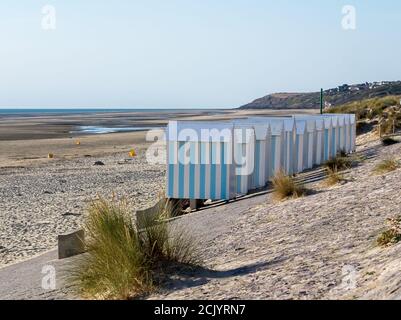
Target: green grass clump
285,187
122,262
392,235
386,165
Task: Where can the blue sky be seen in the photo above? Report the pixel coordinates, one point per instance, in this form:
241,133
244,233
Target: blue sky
190,54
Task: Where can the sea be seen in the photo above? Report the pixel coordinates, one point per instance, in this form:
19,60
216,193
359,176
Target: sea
58,111
32,112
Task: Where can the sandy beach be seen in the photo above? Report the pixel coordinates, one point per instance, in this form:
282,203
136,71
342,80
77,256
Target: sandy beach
41,198
259,249
253,248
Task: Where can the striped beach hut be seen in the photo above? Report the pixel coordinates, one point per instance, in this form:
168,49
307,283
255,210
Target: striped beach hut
311,140
352,132
341,146
244,156
276,154
311,137
301,146
327,138
289,145
347,133
199,162
263,163
262,152
221,160
334,135
319,142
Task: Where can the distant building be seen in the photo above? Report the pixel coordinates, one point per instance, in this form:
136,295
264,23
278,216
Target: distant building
343,88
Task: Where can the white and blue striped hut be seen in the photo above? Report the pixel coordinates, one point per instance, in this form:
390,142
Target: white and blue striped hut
352,132
341,133
327,138
221,160
289,145
311,156
319,142
244,156
346,132
263,163
262,153
276,157
335,137
301,146
311,147
200,160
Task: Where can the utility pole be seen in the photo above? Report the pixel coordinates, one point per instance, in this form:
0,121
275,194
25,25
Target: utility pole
321,101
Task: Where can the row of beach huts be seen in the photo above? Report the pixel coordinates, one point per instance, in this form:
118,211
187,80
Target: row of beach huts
222,160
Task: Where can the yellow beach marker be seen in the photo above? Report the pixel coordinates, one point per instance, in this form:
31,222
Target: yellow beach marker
132,153
50,155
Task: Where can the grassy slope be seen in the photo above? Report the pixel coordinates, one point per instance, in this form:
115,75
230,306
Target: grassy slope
311,100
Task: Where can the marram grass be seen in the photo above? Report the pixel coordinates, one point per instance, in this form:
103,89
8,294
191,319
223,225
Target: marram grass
122,262
333,177
392,235
339,163
285,187
386,165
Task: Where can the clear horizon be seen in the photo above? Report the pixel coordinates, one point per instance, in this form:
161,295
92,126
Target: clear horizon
188,54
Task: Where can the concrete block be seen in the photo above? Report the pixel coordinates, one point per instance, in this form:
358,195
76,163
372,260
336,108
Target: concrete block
144,216
71,244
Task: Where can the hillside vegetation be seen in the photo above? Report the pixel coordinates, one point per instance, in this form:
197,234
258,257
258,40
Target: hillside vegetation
333,97
375,114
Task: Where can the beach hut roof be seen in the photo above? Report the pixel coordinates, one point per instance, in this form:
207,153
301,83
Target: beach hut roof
319,124
327,122
276,127
311,125
261,131
341,119
301,126
289,124
346,118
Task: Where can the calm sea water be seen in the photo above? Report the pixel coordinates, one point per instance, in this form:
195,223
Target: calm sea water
102,129
91,110
97,129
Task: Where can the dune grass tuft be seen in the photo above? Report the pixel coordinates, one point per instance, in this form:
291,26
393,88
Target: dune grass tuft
339,163
285,187
122,262
386,165
392,235
333,177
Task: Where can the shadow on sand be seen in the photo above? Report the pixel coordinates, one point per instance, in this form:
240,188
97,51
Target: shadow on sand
184,276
